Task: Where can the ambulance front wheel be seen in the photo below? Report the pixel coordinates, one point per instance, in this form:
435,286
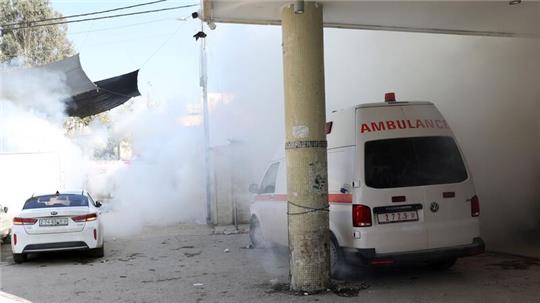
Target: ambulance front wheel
255,232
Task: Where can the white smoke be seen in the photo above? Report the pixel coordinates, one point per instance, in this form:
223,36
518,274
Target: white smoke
35,154
164,182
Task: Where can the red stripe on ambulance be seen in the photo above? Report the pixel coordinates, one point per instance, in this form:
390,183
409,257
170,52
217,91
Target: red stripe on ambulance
332,198
402,124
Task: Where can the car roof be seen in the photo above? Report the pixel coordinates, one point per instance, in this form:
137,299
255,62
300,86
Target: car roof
69,192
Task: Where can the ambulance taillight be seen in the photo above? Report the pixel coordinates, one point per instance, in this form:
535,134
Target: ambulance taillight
361,215
475,206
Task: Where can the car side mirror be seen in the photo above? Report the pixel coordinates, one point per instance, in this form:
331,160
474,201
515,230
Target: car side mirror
98,204
254,188
5,209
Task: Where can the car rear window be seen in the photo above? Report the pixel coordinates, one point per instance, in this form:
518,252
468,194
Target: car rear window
62,200
415,161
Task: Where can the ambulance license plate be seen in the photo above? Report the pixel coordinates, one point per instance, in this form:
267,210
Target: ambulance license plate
394,217
53,221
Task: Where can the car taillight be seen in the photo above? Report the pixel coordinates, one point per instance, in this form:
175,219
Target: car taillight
24,221
475,206
85,218
361,215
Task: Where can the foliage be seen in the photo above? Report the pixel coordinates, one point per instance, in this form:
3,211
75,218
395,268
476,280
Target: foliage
36,45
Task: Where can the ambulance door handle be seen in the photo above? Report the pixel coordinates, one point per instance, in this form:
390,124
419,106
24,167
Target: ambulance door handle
355,184
345,188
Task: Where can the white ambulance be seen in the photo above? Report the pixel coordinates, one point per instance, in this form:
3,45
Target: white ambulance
399,189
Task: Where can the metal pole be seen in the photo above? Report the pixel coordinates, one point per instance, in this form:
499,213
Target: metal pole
307,177
204,86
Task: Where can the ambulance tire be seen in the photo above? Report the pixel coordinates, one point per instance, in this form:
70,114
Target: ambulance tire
336,258
255,233
442,265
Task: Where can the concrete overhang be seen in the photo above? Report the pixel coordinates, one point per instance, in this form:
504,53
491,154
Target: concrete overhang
479,18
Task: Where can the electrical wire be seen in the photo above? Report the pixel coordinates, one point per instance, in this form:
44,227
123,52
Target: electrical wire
101,18
82,15
122,26
161,46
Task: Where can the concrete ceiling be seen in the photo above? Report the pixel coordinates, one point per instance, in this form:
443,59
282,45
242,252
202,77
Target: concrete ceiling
482,18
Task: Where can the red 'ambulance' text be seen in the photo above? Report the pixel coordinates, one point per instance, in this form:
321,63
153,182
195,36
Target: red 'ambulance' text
402,124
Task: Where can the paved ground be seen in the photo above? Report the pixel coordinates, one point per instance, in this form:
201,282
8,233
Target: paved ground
188,263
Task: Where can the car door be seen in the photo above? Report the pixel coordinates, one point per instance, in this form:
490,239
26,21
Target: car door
271,206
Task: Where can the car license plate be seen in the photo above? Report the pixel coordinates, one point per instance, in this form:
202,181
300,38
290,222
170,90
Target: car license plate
401,216
53,221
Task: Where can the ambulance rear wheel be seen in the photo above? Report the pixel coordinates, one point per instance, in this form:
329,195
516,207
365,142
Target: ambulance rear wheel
444,264
255,232
336,257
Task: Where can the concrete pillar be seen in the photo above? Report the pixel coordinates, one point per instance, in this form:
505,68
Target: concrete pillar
305,117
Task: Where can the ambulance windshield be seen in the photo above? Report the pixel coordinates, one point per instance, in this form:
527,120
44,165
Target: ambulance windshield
415,161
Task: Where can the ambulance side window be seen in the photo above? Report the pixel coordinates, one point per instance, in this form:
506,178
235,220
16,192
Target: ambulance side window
268,184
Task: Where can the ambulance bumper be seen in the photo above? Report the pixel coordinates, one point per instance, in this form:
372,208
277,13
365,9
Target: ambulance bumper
370,256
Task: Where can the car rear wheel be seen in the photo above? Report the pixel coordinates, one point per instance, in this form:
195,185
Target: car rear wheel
97,252
6,239
19,258
255,232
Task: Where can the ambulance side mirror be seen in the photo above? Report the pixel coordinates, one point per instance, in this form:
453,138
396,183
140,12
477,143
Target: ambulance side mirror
5,209
254,188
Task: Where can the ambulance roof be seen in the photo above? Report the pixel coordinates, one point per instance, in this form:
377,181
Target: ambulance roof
383,104
388,104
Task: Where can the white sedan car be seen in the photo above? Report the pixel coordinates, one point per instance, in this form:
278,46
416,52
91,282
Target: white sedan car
57,222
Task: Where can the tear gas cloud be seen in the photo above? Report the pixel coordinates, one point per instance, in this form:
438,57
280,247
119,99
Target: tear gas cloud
35,155
164,183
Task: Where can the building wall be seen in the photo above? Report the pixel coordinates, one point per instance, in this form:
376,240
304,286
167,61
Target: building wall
230,182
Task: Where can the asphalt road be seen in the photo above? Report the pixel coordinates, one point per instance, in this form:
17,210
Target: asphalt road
193,263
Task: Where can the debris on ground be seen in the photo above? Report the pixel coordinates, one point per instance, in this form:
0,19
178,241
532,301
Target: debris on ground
518,264
277,287
189,255
198,284
348,289
226,250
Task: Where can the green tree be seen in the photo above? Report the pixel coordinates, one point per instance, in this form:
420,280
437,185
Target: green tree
37,45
